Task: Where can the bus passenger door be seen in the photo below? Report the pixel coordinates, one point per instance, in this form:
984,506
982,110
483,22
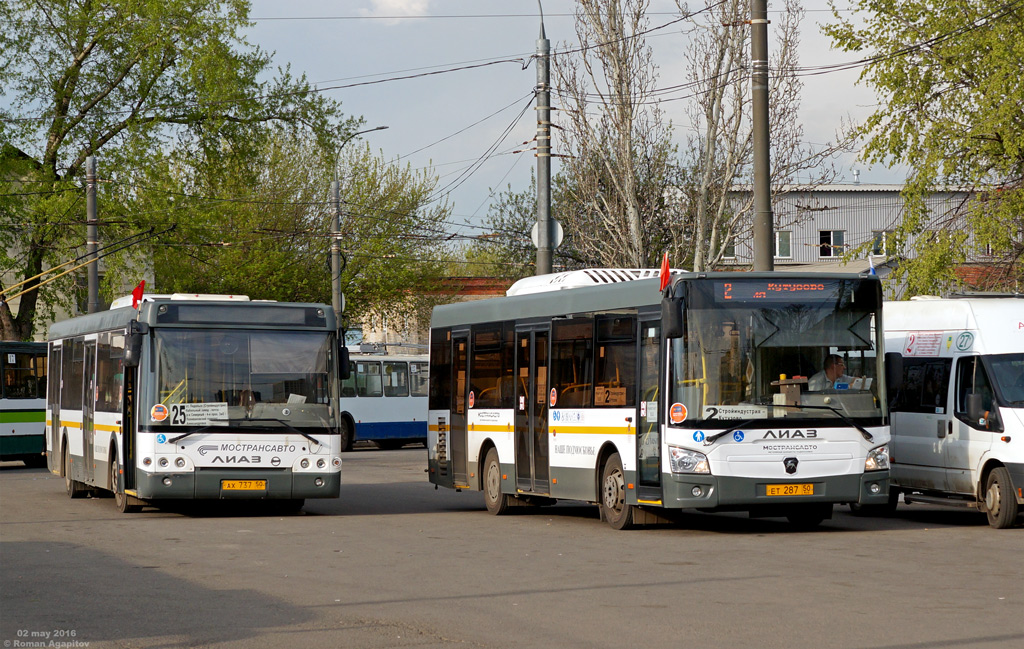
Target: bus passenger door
88,407
648,417
53,387
531,435
457,429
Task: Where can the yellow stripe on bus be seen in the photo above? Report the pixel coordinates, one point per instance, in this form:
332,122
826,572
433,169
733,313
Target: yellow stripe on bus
104,427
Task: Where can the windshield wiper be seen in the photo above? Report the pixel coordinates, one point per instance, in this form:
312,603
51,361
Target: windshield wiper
286,425
851,422
192,432
710,439
280,421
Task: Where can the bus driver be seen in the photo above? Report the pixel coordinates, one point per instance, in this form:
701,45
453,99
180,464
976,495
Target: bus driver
832,372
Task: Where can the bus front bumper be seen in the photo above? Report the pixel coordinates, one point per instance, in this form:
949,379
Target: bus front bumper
694,491
282,484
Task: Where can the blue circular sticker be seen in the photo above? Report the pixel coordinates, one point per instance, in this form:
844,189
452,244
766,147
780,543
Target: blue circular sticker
738,436
161,438
698,436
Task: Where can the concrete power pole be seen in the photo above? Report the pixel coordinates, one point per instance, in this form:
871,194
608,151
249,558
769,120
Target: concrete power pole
543,152
764,231
336,304
337,300
91,235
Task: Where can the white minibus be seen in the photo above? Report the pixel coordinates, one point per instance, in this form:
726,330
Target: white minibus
958,417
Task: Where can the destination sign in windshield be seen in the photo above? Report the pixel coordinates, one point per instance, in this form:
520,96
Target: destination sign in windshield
774,291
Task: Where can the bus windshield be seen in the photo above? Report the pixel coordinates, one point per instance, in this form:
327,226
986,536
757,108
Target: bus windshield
221,377
1008,375
756,350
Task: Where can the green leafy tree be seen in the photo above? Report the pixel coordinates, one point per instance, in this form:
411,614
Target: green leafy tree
506,249
948,73
266,233
127,81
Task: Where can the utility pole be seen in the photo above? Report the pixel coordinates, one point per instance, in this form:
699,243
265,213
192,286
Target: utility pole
336,299
91,235
764,231
543,151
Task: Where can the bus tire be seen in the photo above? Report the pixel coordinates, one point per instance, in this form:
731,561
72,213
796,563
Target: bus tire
614,509
1000,503
125,504
74,488
497,502
347,429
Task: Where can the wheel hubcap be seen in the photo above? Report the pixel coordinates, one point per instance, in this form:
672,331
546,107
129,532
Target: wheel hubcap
993,498
613,491
492,482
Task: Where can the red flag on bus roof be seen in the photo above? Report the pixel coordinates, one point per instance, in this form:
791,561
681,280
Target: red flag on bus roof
665,274
137,294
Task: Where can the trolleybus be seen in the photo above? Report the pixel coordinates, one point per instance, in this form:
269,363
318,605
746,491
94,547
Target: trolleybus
23,402
197,397
384,400
599,386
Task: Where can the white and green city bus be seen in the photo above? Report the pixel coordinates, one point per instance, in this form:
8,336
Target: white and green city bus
197,397
598,386
22,402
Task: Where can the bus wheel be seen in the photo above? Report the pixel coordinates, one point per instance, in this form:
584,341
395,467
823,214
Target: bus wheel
346,435
497,502
74,488
125,504
1000,504
808,517
613,505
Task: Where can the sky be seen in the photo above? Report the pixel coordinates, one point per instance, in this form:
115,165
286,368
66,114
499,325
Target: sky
447,78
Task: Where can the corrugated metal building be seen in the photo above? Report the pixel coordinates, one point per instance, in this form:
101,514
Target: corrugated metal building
818,225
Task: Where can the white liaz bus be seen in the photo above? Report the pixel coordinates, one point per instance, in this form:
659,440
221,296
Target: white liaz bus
958,415
598,386
197,397
384,400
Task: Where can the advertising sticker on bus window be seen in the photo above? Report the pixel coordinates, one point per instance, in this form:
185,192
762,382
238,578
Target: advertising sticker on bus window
158,412
677,413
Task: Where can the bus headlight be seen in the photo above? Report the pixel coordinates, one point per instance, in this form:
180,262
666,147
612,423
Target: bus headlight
877,459
682,460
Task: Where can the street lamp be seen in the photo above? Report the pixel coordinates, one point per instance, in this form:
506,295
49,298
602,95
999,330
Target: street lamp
336,227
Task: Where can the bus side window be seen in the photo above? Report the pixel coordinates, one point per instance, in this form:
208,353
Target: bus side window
418,372
368,379
396,379
974,392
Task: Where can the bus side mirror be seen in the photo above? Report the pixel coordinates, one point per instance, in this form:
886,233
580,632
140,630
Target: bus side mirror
344,371
137,332
893,371
672,318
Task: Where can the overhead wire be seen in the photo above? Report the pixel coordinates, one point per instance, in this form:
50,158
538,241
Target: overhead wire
468,171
